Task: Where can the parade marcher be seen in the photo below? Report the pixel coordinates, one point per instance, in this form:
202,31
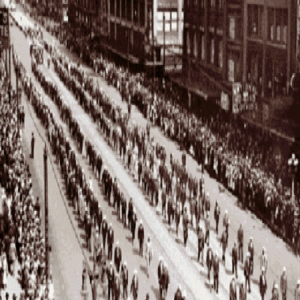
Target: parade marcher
234,257
242,292
264,260
88,232
240,238
111,280
217,216
165,280
251,251
247,272
226,221
275,292
177,217
297,290
148,254
262,283
110,241
283,283
32,145
141,237
216,267
224,244
104,231
133,224
117,256
124,277
200,235
178,293
209,261
185,222
232,289
117,287
160,270
134,288
207,228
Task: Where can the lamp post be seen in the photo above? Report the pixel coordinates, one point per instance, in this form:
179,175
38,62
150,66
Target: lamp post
293,166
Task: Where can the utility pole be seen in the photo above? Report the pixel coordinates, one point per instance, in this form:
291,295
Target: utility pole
46,212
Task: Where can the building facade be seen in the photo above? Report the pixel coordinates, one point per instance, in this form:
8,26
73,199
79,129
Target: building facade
251,42
125,27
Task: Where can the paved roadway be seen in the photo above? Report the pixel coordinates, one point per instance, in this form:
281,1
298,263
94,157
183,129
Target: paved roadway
279,253
262,235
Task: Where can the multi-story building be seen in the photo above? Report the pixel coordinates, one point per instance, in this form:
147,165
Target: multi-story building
251,42
126,30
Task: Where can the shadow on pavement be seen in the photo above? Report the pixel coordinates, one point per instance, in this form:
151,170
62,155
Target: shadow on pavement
144,270
156,292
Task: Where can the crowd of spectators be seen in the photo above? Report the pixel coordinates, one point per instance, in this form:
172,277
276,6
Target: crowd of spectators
22,246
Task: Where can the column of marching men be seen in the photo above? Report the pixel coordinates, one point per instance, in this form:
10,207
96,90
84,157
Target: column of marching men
22,245
176,206
106,124
117,129
85,203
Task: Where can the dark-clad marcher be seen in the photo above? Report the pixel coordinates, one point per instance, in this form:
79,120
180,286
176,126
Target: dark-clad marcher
160,270
104,231
242,292
216,267
124,277
110,241
178,293
251,251
117,287
111,280
283,283
297,290
200,235
32,145
224,244
275,292
133,224
263,284
88,232
177,217
240,238
209,261
185,223
134,288
117,256
232,289
247,272
141,234
217,216
234,257
165,280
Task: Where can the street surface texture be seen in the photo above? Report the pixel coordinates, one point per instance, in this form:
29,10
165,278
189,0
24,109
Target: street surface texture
181,261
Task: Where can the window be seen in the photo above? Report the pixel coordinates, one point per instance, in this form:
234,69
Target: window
277,25
195,45
212,51
232,28
202,47
188,44
213,4
171,21
255,14
220,54
220,5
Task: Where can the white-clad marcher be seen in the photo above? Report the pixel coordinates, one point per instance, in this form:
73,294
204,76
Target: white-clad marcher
148,254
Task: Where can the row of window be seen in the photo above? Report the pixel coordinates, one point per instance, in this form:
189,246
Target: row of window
215,5
196,47
276,20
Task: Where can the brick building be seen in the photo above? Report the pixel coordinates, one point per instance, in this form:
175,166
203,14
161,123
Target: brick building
252,42
125,28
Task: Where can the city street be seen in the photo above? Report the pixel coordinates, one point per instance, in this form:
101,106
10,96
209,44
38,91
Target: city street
67,253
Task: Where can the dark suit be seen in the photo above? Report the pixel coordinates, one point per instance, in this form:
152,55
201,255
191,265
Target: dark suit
111,281
141,237
247,273
232,290
262,285
134,286
104,232
216,265
110,242
234,260
118,257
